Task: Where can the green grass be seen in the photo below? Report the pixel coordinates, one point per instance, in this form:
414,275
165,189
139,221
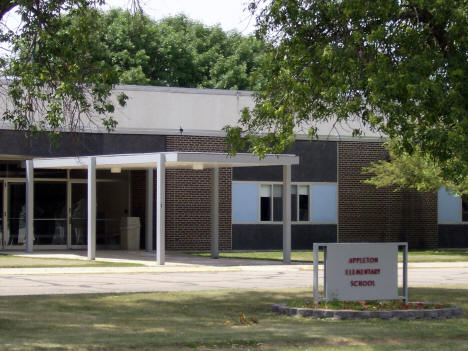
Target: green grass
12,261
308,256
209,320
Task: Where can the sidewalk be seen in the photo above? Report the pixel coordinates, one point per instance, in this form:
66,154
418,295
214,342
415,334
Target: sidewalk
176,262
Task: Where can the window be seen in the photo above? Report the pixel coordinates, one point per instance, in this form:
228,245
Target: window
451,208
265,203
277,203
300,203
271,202
464,208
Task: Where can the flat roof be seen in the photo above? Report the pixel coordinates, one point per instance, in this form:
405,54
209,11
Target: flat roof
183,160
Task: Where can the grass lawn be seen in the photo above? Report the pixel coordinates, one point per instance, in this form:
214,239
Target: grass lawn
308,256
209,320
11,261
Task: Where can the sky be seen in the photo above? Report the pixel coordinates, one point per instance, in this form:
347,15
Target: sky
230,14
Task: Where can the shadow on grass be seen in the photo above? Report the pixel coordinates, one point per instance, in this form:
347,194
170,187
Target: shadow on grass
208,318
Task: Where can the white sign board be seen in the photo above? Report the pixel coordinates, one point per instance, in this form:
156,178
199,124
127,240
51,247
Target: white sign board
361,271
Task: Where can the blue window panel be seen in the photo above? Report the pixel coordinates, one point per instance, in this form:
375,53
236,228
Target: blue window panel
244,202
324,206
449,207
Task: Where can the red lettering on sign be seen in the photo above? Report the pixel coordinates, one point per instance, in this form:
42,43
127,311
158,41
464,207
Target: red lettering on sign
363,260
362,283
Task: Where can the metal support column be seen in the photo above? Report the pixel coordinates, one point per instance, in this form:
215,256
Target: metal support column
287,214
29,206
215,213
161,210
149,209
92,208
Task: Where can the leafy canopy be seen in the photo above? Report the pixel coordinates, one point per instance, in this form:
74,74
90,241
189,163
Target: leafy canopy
414,171
397,66
179,52
56,76
67,55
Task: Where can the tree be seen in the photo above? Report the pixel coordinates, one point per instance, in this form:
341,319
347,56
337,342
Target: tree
177,51
56,76
396,66
414,171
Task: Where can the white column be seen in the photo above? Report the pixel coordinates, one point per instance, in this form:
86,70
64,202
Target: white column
215,213
149,209
29,205
92,208
287,214
161,210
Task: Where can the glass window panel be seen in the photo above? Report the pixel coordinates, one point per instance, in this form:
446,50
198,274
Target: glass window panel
112,204
78,174
303,191
50,173
465,208
16,221
294,203
50,232
16,169
3,170
277,202
265,190
293,189
79,214
265,208
265,202
50,213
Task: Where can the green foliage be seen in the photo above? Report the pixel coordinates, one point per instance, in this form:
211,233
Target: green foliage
398,67
57,76
68,55
412,171
177,51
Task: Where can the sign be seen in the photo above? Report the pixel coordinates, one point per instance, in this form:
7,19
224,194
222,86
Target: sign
360,271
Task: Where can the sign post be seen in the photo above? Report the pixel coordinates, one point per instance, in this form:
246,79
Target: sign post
361,271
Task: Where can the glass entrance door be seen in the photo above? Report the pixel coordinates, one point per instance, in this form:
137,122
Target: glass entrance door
79,215
15,231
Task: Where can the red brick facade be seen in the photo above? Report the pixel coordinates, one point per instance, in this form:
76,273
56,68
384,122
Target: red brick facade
369,214
188,194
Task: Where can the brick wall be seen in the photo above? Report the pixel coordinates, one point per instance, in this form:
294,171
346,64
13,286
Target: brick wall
188,198
369,214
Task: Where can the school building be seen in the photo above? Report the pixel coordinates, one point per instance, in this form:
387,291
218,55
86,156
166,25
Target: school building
328,201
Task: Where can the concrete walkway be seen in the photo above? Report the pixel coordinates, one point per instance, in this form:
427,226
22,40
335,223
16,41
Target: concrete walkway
191,273
176,262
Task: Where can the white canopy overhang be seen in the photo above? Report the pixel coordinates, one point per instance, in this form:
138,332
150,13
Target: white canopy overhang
185,160
160,161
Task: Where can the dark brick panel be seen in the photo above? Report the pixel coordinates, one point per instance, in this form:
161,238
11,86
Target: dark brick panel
20,143
270,236
366,213
318,162
453,235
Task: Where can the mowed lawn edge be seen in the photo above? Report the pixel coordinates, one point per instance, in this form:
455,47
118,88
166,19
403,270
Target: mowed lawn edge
414,256
14,261
211,320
